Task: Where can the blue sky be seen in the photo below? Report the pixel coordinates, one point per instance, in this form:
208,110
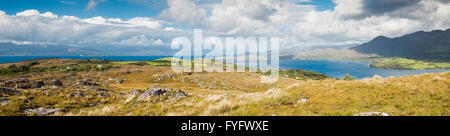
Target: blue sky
110,9
156,22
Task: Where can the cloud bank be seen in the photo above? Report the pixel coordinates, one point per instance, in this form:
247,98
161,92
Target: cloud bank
298,25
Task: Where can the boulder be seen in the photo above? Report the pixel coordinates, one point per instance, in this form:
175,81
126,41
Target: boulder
119,81
38,84
87,83
133,94
20,86
157,92
40,111
372,113
6,91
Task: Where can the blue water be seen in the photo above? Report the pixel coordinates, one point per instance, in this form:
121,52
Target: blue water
358,70
331,68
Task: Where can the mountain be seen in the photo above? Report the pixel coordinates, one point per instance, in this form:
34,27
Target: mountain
432,46
11,49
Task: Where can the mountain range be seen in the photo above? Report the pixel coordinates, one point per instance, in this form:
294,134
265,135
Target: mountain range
421,45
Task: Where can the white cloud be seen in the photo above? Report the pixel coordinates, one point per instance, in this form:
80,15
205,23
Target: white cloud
184,11
31,12
31,27
301,25
93,3
297,25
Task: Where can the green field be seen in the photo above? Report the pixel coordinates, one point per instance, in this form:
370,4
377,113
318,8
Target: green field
403,63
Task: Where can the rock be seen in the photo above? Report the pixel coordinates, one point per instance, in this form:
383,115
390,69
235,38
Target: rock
23,86
157,92
38,84
40,111
99,66
371,114
101,90
4,101
119,81
102,94
133,94
7,91
56,82
303,100
87,83
77,94
20,80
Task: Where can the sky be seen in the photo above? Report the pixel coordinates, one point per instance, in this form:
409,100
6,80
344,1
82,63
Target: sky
298,23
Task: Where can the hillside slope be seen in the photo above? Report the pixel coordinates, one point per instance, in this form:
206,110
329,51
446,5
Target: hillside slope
434,46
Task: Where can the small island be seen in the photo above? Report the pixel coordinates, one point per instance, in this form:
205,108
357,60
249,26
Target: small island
407,64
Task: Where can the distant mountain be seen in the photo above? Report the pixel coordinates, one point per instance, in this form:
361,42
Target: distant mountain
11,49
434,45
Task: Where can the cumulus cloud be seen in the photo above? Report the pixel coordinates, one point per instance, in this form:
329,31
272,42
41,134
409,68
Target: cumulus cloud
33,27
297,25
184,11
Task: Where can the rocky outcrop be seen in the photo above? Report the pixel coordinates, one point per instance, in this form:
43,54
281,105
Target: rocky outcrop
373,113
133,94
159,92
87,82
40,111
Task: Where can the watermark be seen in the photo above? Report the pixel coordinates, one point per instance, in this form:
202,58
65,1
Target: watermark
227,54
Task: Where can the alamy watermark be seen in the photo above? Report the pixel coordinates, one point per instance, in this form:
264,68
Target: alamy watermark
236,54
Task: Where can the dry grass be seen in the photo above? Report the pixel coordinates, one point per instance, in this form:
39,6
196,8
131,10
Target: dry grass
223,94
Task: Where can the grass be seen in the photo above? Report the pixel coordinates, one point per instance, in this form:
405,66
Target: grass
403,63
232,93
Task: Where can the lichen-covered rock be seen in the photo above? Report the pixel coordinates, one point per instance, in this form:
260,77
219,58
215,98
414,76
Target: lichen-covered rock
86,82
133,94
6,91
40,111
158,92
20,86
119,81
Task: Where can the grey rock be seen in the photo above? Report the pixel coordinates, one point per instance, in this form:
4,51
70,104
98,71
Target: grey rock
157,92
119,81
4,101
373,113
23,86
133,94
6,91
40,111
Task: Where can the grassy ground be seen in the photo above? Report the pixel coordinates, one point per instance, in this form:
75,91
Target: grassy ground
228,93
402,63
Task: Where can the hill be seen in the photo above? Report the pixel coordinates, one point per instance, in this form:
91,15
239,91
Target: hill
430,46
102,88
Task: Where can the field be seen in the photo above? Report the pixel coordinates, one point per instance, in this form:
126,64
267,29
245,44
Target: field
403,63
127,89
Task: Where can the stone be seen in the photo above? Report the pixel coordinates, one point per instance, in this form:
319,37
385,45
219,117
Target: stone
157,92
40,111
119,81
4,101
133,94
371,114
102,94
56,82
87,83
38,84
7,91
23,86
101,90
303,100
